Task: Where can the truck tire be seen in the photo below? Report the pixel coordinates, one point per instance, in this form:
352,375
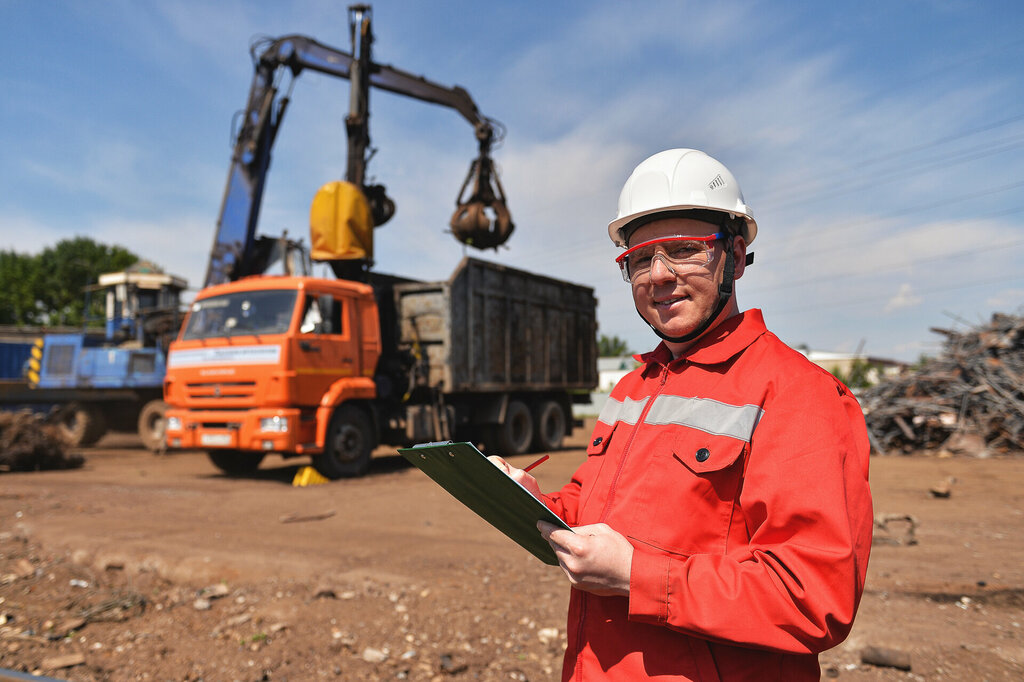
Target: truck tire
348,446
153,426
235,462
548,426
515,434
81,424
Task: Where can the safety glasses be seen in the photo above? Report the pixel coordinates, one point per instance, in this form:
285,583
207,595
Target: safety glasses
679,253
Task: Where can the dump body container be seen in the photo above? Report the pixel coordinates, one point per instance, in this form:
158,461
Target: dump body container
492,328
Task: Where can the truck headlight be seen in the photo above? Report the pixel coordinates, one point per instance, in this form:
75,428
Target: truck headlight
174,423
274,424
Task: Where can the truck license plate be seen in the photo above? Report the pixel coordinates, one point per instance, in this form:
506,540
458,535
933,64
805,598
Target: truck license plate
215,439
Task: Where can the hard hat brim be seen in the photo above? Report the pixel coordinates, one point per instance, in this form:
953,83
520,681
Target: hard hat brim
619,229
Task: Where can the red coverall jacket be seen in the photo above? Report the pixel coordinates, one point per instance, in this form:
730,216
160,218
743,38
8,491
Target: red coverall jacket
739,473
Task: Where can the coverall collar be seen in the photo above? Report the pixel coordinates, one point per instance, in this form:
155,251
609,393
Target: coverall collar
717,345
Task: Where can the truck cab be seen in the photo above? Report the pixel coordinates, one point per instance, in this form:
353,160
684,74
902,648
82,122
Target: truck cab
260,366
112,379
128,354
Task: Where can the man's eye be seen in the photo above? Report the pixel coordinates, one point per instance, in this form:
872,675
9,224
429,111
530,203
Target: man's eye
681,251
641,260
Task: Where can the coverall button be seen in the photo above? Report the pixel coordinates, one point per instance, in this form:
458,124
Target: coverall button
703,454
597,441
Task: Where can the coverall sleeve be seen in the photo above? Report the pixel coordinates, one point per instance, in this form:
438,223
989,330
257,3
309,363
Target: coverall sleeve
565,502
795,585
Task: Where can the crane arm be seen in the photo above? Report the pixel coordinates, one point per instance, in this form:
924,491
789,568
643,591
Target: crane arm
236,251
301,52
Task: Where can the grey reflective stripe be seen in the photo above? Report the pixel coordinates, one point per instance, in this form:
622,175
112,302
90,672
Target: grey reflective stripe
711,416
627,411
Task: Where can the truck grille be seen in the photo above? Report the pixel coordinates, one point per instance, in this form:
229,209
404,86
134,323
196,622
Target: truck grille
222,390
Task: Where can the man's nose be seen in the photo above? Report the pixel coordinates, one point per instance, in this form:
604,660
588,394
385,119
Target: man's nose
661,269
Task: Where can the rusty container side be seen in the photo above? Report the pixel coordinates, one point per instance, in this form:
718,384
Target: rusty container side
495,328
425,329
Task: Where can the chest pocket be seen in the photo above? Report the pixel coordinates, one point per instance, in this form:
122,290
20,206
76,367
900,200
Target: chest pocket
688,497
600,438
595,473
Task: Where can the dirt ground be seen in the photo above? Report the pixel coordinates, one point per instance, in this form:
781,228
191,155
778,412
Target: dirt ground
139,567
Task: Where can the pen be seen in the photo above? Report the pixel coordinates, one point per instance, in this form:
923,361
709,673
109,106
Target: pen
539,461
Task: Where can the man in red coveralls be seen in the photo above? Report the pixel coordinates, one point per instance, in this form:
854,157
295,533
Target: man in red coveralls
723,517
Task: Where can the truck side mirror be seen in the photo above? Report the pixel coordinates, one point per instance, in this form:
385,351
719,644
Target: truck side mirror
326,302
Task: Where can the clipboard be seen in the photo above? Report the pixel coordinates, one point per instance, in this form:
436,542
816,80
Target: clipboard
473,480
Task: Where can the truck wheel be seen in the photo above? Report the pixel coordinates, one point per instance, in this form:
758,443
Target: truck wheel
549,426
348,446
153,426
513,437
235,462
80,424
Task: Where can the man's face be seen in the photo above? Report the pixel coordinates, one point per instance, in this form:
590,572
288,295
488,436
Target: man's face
676,304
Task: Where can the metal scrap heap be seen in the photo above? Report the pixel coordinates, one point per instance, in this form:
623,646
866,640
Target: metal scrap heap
968,400
27,443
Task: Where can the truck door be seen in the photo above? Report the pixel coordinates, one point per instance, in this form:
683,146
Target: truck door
327,346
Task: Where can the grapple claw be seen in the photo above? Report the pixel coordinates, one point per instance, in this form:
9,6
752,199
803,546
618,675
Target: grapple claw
482,220
482,225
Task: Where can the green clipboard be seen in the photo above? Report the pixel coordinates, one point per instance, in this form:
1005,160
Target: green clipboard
474,481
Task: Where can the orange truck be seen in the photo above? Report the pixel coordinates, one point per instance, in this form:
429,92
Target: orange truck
329,369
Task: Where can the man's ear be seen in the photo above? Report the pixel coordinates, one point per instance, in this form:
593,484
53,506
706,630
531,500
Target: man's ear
739,255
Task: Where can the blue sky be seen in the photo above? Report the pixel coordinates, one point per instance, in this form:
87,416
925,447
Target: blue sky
879,143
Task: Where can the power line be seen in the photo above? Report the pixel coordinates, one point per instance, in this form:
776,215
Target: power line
802,253
917,261
874,300
826,191
998,51
881,158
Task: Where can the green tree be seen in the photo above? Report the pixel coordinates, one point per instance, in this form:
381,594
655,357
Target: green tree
67,268
50,288
859,375
612,347
18,274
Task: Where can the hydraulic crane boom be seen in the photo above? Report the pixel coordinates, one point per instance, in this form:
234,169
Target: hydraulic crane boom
481,220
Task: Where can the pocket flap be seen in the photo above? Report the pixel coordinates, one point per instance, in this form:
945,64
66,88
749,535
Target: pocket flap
704,453
600,438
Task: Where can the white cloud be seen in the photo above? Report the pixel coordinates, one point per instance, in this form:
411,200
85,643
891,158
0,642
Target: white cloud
905,298
103,168
27,234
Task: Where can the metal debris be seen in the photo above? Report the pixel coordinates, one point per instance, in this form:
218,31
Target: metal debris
884,657
27,443
908,524
968,400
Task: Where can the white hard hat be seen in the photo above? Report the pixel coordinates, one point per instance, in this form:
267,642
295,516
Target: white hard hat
680,180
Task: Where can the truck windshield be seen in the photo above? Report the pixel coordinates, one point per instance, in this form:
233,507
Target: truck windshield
246,312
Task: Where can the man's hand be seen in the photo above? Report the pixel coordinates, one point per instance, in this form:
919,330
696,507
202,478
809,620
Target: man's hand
595,558
518,475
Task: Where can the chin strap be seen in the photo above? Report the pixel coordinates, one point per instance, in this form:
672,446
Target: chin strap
725,290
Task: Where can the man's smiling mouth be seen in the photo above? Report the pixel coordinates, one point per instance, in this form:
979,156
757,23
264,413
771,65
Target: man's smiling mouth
667,302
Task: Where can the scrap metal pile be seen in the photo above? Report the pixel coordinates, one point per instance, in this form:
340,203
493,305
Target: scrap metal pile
27,443
968,400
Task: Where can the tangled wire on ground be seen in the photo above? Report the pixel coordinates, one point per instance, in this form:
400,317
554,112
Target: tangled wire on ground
972,392
28,443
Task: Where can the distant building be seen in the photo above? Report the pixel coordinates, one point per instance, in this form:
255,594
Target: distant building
842,364
610,370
